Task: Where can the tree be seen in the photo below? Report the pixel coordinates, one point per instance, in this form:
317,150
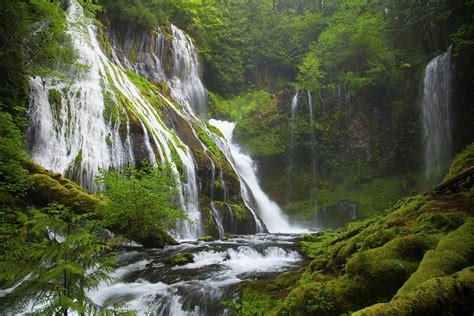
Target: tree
13,176
65,258
141,202
309,73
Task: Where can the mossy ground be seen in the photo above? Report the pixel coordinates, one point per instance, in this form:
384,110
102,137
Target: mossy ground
416,259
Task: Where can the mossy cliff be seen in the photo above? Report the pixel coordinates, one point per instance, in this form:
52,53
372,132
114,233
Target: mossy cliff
416,259
217,180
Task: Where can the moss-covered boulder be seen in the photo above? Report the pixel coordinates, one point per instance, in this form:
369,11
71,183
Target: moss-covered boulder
448,295
462,161
49,187
182,259
205,238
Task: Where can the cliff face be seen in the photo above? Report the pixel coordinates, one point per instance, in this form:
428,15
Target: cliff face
138,97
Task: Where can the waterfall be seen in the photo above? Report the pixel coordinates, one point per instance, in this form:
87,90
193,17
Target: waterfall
294,106
312,149
270,212
436,116
81,126
291,160
186,86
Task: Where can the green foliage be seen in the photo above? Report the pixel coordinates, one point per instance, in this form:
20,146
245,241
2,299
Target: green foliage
65,259
261,127
141,202
463,160
309,73
241,106
13,176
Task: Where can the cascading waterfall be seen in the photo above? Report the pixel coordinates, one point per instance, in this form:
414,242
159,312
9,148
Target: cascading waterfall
270,212
185,81
74,134
436,116
313,142
103,120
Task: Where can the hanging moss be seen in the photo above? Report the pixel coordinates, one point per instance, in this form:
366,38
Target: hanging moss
132,56
54,99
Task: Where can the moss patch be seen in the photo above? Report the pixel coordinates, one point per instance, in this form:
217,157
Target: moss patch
54,99
463,160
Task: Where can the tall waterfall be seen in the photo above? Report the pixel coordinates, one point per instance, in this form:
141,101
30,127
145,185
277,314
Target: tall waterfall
291,160
436,116
312,148
185,82
270,212
294,106
102,119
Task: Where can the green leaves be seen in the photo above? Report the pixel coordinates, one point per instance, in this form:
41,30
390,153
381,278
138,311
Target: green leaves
141,201
63,258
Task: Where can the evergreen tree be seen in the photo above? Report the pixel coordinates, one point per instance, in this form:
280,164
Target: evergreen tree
64,258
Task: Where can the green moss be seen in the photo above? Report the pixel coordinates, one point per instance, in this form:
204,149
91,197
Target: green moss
205,238
214,130
240,211
132,56
448,295
78,160
54,99
454,252
255,303
104,41
108,140
463,160
182,259
45,189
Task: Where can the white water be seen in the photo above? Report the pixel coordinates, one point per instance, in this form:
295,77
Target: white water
269,211
294,107
186,85
437,117
147,283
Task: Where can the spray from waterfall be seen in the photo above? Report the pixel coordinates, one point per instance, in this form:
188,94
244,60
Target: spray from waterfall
437,117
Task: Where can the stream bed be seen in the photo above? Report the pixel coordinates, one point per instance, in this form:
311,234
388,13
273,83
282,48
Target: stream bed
147,282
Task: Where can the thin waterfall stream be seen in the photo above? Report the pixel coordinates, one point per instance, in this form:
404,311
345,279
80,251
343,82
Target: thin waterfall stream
437,117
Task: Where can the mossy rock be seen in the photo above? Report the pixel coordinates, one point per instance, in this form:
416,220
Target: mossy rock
448,295
205,238
462,161
182,259
49,187
454,252
157,239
